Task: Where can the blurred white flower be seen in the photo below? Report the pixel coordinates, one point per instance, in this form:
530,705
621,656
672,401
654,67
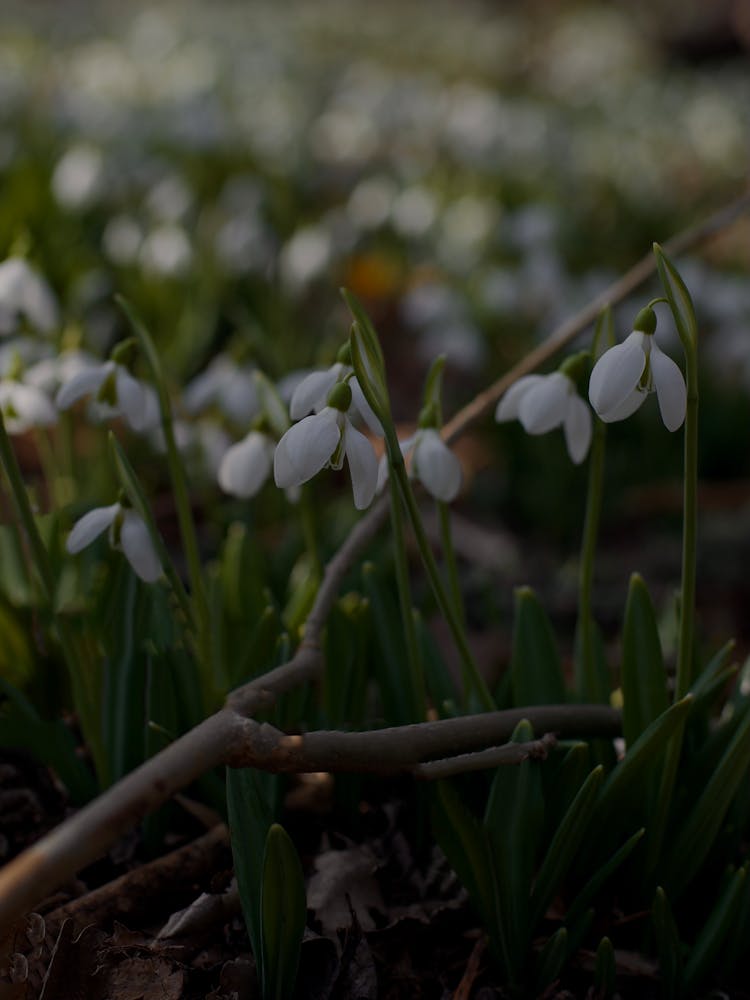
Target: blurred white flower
227,386
127,533
49,374
625,374
543,402
24,294
116,392
166,250
25,406
431,461
323,440
247,465
77,178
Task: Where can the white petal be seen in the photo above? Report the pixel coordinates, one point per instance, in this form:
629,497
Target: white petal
578,428
305,448
136,401
616,373
363,408
626,408
30,407
507,408
90,526
246,465
82,384
312,392
670,388
138,548
436,466
383,473
544,405
363,466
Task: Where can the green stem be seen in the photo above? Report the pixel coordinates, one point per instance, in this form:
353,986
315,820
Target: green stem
449,556
689,529
416,667
84,693
310,531
587,681
470,672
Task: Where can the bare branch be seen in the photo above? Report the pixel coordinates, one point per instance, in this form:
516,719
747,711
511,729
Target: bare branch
508,754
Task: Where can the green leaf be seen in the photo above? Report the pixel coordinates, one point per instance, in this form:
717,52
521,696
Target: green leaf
697,833
710,941
283,915
565,845
462,840
588,894
641,757
250,818
668,946
551,960
679,298
644,680
389,651
605,970
514,821
536,671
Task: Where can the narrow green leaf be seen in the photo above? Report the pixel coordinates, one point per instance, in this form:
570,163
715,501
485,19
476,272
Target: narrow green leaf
641,756
552,958
588,894
710,941
461,839
679,298
697,834
668,946
514,821
536,671
250,818
644,679
390,657
283,915
605,971
565,845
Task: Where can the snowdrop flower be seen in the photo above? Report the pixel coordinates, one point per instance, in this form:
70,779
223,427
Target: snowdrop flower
24,294
127,533
625,374
431,461
226,385
247,465
323,440
25,406
543,402
311,394
121,394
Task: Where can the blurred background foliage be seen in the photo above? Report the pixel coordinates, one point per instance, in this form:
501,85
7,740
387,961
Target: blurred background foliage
474,171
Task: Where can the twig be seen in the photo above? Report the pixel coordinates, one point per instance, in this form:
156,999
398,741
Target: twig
217,740
508,754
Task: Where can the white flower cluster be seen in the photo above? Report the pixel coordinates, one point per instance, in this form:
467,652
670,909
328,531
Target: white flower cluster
620,381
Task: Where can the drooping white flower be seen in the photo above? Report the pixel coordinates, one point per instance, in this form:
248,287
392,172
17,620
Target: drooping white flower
25,406
431,461
127,533
24,294
543,402
311,395
247,465
625,374
115,391
323,440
